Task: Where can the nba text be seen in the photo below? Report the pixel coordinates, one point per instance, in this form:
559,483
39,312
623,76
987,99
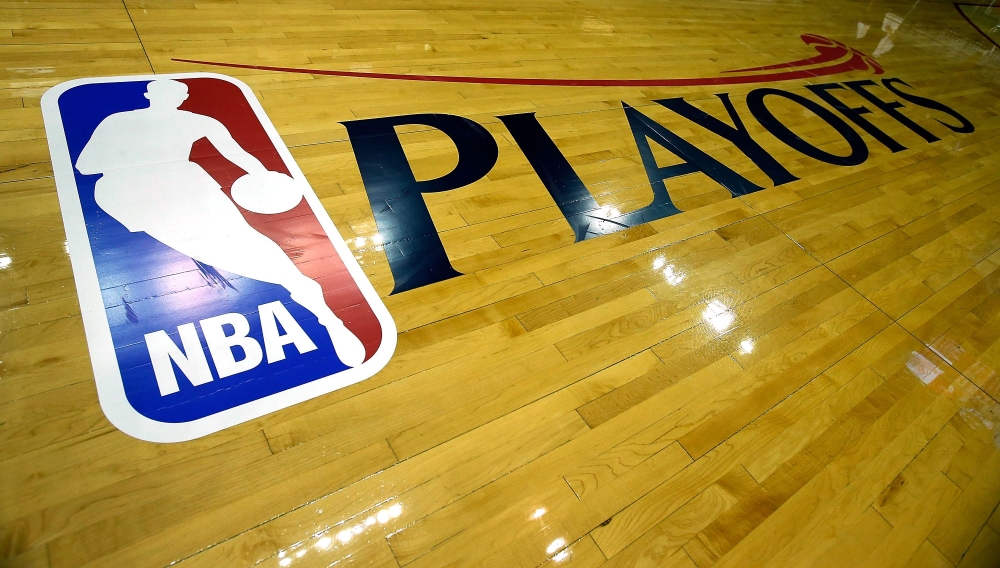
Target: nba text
223,334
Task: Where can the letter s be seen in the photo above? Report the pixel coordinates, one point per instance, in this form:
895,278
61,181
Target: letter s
965,127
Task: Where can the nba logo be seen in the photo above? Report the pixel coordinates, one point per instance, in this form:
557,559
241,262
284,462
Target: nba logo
213,285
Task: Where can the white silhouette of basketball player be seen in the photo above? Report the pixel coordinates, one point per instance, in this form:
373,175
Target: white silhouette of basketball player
150,185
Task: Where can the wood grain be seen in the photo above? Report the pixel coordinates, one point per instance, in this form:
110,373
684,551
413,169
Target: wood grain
807,375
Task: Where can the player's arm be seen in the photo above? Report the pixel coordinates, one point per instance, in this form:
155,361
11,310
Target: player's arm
223,141
93,159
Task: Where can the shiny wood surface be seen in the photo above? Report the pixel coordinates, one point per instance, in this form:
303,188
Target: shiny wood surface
561,402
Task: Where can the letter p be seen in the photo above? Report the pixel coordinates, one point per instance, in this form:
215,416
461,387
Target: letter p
414,250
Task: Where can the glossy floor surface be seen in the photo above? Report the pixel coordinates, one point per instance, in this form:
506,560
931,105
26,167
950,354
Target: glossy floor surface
806,375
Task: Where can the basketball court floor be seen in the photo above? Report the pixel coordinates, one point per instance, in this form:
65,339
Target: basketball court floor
576,283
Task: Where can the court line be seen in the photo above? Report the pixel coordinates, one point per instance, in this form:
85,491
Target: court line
958,6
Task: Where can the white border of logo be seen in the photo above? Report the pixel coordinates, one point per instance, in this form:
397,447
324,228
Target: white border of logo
107,374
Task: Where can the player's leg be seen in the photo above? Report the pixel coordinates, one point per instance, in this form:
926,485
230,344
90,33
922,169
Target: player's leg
240,249
253,255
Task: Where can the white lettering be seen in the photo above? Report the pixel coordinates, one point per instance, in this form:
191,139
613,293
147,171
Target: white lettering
221,345
271,315
191,361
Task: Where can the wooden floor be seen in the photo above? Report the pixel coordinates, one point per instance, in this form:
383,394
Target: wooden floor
569,403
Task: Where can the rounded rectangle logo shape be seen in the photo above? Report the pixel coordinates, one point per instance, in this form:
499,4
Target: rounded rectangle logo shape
213,285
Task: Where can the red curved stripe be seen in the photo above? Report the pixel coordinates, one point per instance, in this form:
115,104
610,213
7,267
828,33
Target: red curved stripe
857,62
829,50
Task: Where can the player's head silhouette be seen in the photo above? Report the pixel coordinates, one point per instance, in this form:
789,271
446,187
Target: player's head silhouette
166,93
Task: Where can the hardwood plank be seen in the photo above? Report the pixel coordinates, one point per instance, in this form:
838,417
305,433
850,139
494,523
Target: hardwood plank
807,374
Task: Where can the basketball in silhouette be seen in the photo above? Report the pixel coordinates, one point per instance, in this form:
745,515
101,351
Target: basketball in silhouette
267,193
